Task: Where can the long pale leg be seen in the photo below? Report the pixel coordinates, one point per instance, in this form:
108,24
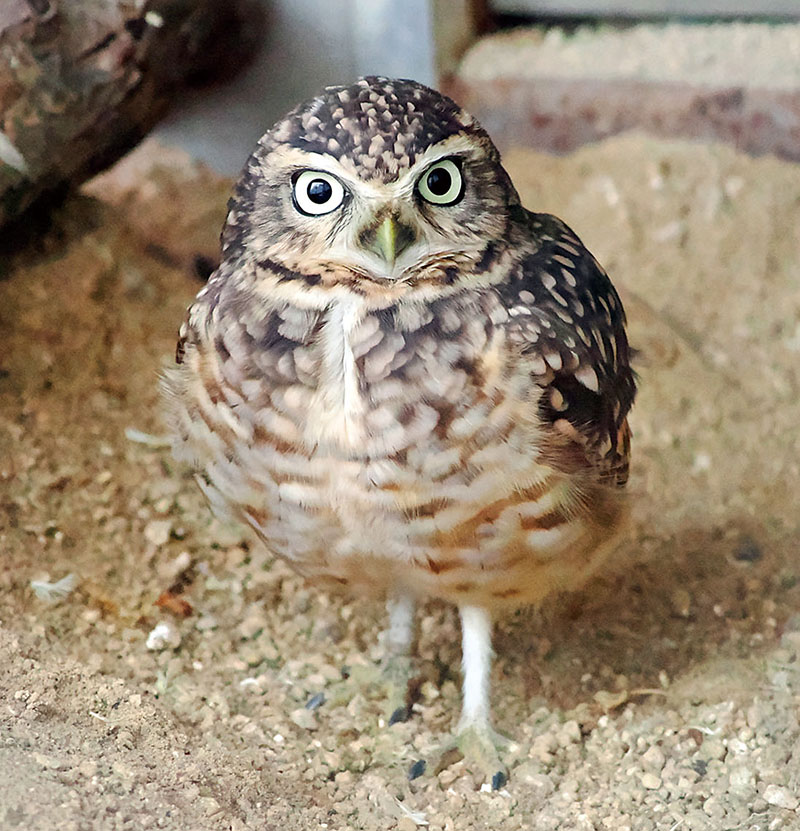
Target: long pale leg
476,739
389,681
400,632
476,662
396,671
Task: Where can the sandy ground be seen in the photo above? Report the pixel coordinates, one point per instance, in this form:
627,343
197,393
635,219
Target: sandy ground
663,696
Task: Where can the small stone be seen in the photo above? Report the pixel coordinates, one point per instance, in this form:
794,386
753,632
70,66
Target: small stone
316,701
48,762
163,636
742,781
530,775
781,797
543,747
714,808
206,623
209,805
87,768
748,551
681,602
570,733
654,759
651,781
304,718
447,777
157,531
714,748
251,626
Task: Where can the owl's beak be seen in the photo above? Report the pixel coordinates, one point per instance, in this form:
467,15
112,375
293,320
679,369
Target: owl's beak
388,239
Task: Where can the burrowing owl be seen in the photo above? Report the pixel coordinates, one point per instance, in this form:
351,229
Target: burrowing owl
406,383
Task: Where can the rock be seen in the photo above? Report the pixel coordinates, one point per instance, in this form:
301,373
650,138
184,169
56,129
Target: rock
651,781
570,733
781,797
543,747
157,531
654,759
304,718
163,636
530,776
206,623
742,781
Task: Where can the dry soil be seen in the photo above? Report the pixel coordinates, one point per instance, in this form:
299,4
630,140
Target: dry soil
169,687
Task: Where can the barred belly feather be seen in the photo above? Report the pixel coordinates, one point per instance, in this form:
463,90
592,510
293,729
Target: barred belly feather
376,457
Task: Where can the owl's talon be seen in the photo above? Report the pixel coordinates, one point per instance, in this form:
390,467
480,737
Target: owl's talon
480,747
417,769
400,714
387,682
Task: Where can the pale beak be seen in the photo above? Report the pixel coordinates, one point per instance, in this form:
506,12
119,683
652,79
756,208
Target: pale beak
389,239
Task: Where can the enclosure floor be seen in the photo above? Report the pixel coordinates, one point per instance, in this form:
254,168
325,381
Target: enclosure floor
663,696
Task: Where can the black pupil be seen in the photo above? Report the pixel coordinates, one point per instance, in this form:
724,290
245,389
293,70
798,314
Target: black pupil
439,181
319,191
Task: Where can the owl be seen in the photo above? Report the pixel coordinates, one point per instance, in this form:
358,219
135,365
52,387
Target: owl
406,383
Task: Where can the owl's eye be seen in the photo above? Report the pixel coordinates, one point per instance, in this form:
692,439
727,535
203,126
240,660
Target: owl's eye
442,183
317,193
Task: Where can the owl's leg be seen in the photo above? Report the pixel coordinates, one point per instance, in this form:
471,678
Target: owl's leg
475,737
396,666
389,681
400,632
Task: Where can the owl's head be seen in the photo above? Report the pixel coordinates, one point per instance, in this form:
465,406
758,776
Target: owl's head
382,188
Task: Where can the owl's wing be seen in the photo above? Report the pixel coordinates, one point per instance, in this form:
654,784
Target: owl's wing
568,322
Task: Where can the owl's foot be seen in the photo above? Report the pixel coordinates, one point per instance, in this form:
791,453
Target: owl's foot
390,681
476,742
387,682
481,748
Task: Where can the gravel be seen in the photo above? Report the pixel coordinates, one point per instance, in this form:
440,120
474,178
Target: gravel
663,696
714,54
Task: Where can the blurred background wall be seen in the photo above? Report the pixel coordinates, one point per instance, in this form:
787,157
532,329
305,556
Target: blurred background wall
309,44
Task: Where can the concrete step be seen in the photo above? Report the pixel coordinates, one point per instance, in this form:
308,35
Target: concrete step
732,82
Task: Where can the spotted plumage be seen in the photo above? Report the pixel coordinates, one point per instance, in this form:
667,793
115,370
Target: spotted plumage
407,384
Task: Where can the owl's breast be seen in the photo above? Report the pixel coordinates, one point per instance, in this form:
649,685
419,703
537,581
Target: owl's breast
349,435
373,385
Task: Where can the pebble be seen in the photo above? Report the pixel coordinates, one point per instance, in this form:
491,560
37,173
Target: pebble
543,747
654,759
570,733
681,602
304,718
651,781
781,797
206,623
742,781
157,531
163,636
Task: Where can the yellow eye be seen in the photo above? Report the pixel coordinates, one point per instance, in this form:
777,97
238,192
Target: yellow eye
317,193
442,183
